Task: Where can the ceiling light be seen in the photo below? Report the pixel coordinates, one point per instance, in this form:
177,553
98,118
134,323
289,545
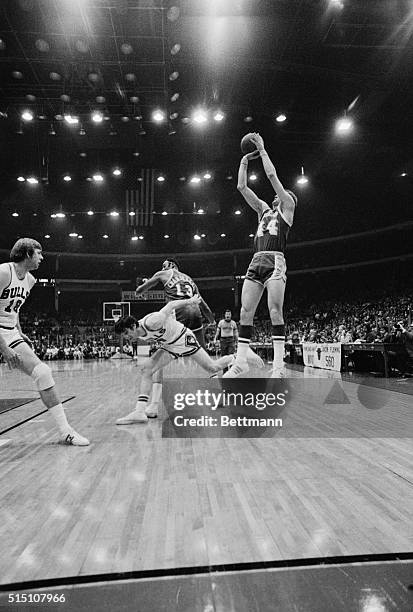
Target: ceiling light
117,172
175,49
253,177
158,116
21,179
195,180
67,178
251,235
32,180
47,236
105,236
125,119
60,215
280,118
203,235
71,120
97,117
15,214
174,75
27,115
140,237
160,179
344,125
73,234
80,237
201,211
174,97
166,235
302,180
248,119
164,213
134,238
237,212
90,213
114,213
132,213
98,178
402,174
218,116
197,237
207,176
200,117
223,235
126,48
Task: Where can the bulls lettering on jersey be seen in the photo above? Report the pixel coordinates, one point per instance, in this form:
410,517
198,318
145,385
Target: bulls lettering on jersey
272,232
179,286
13,296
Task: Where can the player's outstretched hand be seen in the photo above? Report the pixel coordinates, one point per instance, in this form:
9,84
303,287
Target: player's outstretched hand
11,358
252,155
195,299
258,141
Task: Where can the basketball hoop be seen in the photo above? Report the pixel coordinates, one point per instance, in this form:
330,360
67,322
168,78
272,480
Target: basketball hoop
116,317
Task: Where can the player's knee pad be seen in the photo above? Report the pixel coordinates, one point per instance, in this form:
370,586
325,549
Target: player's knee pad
42,376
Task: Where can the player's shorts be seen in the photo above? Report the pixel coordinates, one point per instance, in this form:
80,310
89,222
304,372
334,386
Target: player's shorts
227,346
11,336
183,346
190,316
266,266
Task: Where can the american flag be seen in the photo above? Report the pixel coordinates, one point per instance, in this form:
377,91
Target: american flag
139,198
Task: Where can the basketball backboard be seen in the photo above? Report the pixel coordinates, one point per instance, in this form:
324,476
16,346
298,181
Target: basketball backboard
112,311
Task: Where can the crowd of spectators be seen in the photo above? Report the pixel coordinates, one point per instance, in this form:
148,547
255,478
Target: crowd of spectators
83,335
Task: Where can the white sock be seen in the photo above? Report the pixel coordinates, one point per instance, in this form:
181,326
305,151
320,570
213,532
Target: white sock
141,402
156,393
278,346
58,413
243,346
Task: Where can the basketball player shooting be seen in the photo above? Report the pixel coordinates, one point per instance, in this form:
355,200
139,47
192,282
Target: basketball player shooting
267,269
175,341
16,282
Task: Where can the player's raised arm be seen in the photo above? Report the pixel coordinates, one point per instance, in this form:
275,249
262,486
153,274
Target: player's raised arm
151,282
249,196
287,201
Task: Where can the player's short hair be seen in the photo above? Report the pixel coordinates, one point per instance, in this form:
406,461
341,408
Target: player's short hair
173,261
125,323
228,310
292,194
23,248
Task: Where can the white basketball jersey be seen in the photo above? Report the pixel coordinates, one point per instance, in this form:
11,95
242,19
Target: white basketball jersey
13,296
171,331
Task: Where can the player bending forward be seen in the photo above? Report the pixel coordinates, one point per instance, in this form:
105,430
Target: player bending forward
175,341
16,283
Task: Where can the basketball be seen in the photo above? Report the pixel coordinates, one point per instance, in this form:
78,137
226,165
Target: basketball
247,146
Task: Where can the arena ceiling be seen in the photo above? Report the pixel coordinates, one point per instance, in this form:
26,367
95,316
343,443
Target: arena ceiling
252,60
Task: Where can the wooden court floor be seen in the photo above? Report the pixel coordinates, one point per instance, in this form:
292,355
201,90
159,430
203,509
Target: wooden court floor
134,501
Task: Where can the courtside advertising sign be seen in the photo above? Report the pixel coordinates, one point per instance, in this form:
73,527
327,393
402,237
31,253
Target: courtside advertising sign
326,356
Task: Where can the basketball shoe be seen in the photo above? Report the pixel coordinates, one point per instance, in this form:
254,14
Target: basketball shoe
152,410
237,369
136,416
74,439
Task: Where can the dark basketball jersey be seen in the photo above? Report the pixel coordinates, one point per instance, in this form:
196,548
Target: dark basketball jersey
272,232
180,286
